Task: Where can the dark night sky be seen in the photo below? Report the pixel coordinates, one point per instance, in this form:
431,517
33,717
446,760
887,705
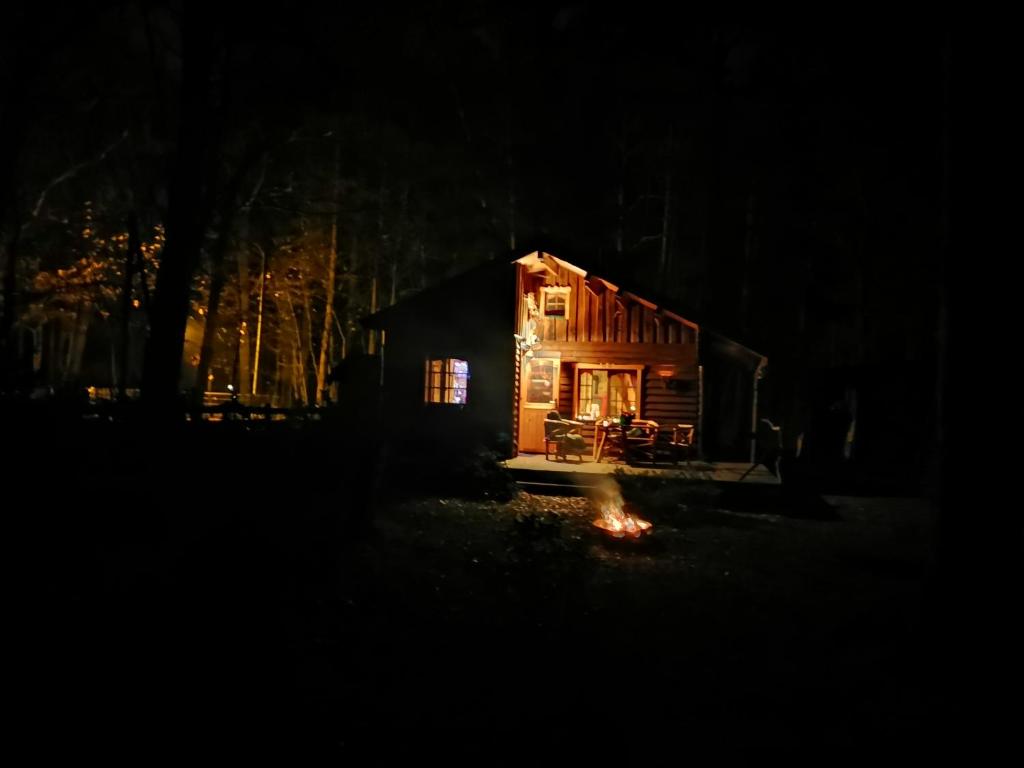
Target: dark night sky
551,85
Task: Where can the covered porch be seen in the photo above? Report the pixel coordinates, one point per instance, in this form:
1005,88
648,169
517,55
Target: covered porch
534,471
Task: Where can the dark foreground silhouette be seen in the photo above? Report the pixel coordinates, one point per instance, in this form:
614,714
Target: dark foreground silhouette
220,590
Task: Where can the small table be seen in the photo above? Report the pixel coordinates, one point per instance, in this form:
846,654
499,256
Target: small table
616,435
601,432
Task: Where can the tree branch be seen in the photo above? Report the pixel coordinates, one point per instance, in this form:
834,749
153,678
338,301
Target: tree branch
71,172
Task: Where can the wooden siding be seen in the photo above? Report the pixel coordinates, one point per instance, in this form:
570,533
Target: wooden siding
597,313
681,356
670,404
565,390
433,327
517,382
669,399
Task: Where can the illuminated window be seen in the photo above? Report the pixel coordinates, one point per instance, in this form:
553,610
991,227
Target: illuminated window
554,305
541,382
603,393
555,301
446,381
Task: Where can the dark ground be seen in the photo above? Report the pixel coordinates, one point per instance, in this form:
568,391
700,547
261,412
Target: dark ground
212,594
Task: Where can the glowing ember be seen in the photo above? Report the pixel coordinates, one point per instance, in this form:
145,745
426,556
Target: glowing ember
616,519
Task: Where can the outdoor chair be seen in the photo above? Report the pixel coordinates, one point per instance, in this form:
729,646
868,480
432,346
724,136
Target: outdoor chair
563,437
642,441
682,442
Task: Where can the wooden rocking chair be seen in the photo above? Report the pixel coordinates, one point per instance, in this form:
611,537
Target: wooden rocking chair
556,436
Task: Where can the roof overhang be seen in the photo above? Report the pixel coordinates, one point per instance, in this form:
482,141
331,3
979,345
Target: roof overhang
538,261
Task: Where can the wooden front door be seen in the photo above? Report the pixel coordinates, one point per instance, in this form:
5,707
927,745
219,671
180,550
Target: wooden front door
538,396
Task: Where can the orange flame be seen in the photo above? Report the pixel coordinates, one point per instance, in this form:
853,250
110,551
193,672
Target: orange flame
614,517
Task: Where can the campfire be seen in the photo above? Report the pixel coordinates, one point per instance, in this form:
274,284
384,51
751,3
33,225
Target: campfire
616,517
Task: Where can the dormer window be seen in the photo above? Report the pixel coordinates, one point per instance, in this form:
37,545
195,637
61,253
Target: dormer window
555,301
554,305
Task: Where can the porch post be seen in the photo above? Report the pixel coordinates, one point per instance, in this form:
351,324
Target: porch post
700,412
758,375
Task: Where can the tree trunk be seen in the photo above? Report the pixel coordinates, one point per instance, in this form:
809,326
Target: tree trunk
10,307
242,259
134,262
396,251
218,257
666,226
17,82
352,308
372,349
713,267
328,327
511,204
189,179
620,199
259,321
76,350
329,288
307,308
382,238
212,317
749,251
299,385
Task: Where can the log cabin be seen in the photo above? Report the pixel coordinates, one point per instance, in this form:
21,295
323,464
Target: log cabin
488,354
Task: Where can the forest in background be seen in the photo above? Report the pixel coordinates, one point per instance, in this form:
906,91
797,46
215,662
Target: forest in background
179,181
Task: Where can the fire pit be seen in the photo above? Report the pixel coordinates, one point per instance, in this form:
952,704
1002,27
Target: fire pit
617,520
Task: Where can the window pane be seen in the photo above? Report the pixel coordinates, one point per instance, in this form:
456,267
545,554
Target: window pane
600,397
459,377
605,393
540,381
435,380
447,381
554,304
585,406
623,393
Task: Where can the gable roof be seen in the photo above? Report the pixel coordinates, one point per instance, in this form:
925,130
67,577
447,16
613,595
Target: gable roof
539,261
650,300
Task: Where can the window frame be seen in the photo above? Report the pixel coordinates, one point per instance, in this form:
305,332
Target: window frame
556,372
441,381
563,292
611,367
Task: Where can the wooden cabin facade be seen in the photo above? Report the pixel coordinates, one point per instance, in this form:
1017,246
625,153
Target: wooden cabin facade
487,355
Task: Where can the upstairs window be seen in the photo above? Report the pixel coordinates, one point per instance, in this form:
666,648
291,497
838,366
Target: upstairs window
555,301
447,381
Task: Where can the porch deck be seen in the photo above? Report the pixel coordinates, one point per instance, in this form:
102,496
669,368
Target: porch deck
532,469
